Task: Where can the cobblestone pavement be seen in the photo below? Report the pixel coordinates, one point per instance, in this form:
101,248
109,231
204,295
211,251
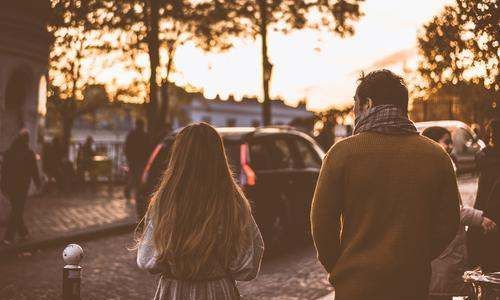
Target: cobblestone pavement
110,273
60,213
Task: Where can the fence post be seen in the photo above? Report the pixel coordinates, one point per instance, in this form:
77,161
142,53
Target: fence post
72,272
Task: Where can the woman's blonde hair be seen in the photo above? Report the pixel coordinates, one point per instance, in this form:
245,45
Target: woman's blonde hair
198,212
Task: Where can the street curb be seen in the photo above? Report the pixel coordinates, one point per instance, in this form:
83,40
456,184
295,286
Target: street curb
69,237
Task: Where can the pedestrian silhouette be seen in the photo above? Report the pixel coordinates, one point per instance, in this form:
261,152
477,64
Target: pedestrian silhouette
137,147
19,168
85,159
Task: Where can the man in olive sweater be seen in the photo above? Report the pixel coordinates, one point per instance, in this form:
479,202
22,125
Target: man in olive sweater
386,202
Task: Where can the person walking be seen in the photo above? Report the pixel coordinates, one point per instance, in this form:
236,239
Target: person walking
488,161
19,168
137,147
386,201
449,267
199,233
85,159
52,162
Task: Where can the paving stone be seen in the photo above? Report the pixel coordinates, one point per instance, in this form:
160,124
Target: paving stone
55,214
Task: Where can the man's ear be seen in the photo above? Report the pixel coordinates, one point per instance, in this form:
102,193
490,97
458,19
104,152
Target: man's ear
369,103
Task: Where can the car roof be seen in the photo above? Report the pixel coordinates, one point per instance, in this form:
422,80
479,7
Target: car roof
442,123
239,133
235,133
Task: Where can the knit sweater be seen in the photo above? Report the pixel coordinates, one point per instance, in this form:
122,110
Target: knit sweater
384,207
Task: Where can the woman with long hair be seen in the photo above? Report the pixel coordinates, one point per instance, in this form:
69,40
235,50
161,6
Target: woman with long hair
448,268
199,232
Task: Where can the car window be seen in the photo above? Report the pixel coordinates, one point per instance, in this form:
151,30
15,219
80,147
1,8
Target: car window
462,140
280,153
259,156
308,157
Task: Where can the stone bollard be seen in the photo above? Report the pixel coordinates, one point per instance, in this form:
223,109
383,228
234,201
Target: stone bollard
72,272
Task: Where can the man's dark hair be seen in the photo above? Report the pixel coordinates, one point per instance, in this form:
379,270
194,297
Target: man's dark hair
383,87
435,133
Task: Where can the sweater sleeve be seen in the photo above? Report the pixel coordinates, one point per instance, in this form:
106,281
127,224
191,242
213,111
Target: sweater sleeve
146,253
445,216
326,211
470,216
247,265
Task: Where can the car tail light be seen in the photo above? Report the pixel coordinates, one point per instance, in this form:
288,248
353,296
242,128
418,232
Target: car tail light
151,159
247,175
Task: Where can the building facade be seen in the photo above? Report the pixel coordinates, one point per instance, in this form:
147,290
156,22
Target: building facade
24,50
244,113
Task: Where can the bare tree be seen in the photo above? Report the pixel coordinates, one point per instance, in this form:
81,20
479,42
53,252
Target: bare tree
259,17
77,50
162,26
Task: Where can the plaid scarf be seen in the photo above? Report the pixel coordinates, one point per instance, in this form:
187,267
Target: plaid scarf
387,119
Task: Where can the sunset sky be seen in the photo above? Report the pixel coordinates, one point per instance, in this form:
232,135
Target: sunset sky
321,68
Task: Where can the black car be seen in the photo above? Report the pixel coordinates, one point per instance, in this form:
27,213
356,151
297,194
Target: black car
277,168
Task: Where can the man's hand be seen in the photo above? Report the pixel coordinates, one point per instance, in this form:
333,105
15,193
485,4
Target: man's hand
488,225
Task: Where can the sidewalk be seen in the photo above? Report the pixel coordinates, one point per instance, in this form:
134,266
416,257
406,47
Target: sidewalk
59,217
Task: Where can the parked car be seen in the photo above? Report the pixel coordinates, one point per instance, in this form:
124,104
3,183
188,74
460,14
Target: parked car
277,168
466,143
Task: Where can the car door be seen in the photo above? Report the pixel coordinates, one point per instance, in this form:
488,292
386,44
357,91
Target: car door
271,159
305,175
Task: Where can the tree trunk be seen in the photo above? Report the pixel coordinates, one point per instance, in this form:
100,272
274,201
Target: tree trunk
425,114
154,62
450,108
266,65
165,97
